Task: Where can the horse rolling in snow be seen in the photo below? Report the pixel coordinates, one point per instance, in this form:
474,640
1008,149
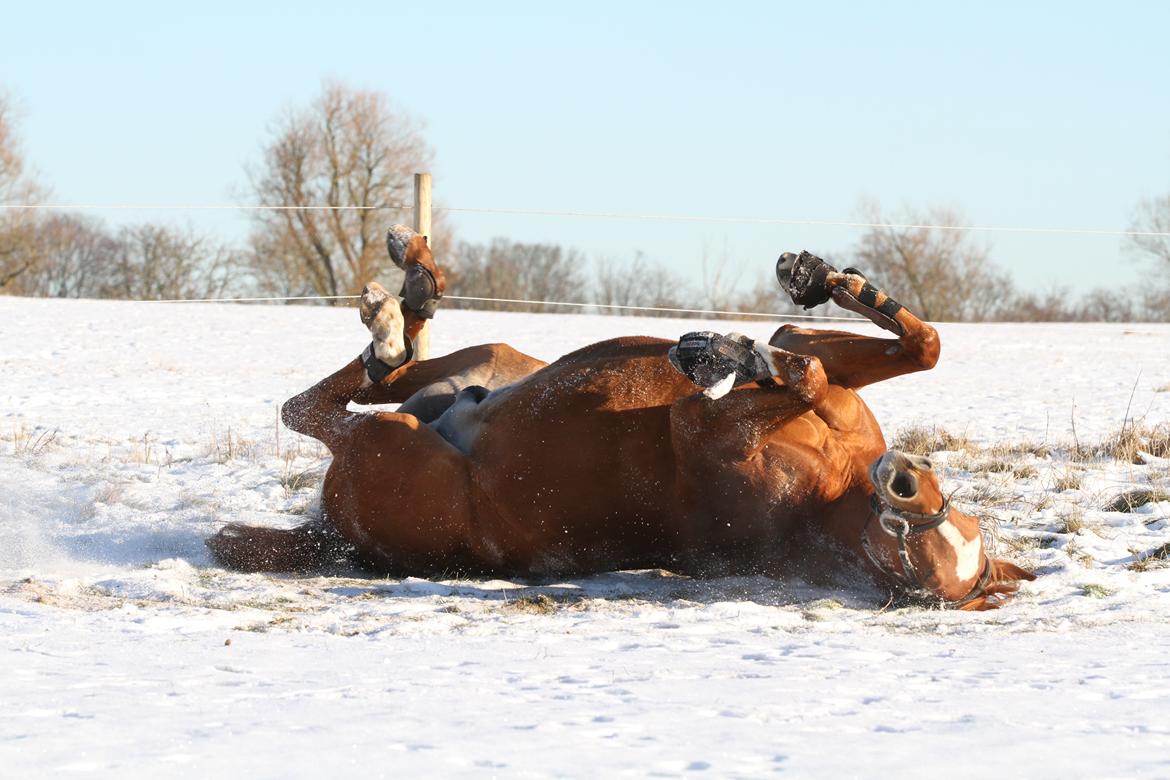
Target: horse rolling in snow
712,455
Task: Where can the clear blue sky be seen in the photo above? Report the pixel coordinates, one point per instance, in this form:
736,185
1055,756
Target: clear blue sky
1032,114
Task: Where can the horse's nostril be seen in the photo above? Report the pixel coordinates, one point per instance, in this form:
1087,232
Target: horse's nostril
903,485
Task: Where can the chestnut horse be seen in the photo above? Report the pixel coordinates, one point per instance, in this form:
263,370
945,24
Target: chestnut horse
711,455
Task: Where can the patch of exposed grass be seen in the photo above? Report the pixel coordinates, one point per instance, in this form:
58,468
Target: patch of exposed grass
1016,449
1079,554
1041,501
1023,544
1025,472
986,495
1126,444
1138,497
927,439
229,445
1095,591
1072,522
295,480
1068,479
30,442
993,467
1163,388
1156,558
537,604
816,610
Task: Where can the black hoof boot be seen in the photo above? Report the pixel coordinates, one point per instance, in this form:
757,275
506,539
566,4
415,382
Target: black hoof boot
420,293
707,358
803,278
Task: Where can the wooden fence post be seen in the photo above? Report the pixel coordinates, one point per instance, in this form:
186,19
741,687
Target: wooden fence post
422,226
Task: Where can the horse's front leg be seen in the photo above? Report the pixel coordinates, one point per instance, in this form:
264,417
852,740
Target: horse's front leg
322,411
852,360
735,424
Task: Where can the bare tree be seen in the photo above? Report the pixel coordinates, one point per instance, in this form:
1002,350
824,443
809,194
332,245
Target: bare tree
720,280
1153,216
510,269
75,256
153,262
348,151
941,274
638,282
766,297
17,226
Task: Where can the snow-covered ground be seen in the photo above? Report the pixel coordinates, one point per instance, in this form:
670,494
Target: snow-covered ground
131,432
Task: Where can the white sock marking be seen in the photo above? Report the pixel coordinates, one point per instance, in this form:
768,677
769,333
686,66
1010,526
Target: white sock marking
767,352
721,388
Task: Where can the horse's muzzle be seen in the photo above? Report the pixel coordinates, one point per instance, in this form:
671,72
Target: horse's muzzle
894,475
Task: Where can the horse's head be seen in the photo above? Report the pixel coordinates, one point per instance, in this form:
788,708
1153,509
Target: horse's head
915,536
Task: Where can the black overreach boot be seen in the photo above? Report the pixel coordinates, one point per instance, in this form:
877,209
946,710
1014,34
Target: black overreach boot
707,358
803,277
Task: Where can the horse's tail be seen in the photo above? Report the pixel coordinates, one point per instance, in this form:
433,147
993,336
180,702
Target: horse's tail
310,547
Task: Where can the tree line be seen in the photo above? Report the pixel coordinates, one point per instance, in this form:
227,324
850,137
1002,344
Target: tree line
350,150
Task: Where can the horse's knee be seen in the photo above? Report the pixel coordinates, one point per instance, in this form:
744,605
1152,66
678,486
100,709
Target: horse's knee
293,413
924,347
809,380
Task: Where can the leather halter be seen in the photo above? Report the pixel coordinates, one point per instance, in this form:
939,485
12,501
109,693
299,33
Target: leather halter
902,524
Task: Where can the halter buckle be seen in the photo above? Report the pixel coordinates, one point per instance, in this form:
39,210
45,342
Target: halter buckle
893,524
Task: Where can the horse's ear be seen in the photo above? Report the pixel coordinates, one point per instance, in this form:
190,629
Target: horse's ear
1006,571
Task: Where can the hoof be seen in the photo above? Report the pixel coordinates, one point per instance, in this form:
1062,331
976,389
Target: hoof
804,277
381,313
374,297
708,358
397,240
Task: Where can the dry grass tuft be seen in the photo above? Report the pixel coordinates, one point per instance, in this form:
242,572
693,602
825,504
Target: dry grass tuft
230,445
986,496
1138,497
1132,439
295,480
928,439
1068,480
538,604
30,442
1156,558
1072,522
1023,544
1095,591
1025,472
993,467
1074,551
1016,449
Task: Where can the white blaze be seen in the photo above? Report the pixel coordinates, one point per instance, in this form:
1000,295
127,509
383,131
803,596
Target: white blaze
967,551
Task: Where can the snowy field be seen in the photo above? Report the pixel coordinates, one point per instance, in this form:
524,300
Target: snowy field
131,432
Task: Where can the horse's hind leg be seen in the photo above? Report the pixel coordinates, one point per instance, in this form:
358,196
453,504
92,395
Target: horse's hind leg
849,359
305,548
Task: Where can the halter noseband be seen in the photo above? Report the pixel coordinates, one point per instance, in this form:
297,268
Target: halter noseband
902,524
